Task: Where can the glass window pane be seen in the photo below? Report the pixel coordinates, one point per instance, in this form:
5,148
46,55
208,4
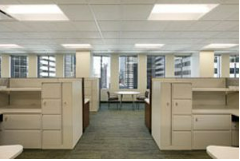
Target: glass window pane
46,66
128,72
155,68
217,66
234,66
70,66
19,67
182,66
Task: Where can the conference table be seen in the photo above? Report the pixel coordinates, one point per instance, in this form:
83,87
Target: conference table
132,93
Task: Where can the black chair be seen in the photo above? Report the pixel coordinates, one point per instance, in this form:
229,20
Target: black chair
141,98
112,98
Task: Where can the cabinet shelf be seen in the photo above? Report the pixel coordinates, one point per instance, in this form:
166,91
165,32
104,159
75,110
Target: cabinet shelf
215,109
20,89
21,109
214,90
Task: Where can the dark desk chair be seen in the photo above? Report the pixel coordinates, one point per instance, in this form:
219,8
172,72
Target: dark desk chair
140,98
112,98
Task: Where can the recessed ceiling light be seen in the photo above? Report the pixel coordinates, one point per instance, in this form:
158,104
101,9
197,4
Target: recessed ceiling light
9,46
149,46
77,46
219,46
35,12
180,11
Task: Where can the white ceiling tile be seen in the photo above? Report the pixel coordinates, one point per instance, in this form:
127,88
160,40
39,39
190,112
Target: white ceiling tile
225,26
201,25
110,25
85,26
107,12
69,1
36,1
136,12
77,12
144,25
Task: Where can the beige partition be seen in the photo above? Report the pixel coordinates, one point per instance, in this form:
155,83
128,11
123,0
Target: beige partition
194,122
92,92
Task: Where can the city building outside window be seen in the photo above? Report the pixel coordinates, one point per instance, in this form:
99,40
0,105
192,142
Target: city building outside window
70,66
217,66
101,69
182,66
19,66
234,66
46,66
128,72
155,68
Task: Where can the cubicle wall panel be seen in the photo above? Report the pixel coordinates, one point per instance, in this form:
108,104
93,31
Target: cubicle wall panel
26,138
51,106
22,121
202,139
51,90
52,122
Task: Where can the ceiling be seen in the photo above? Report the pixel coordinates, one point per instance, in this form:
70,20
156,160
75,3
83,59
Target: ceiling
114,26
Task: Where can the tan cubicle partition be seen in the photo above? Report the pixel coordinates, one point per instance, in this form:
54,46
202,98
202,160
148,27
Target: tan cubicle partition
41,113
193,113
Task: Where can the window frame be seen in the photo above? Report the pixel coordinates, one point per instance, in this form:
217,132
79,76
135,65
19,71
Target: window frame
72,66
19,59
47,66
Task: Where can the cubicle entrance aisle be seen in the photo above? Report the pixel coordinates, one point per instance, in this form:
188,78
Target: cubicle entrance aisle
115,134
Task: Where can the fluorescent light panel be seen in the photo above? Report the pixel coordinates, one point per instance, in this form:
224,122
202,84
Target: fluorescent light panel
219,46
180,11
35,12
77,46
9,46
149,46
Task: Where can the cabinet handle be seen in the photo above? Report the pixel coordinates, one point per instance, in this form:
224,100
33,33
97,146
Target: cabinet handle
65,103
168,104
176,104
44,103
196,119
5,119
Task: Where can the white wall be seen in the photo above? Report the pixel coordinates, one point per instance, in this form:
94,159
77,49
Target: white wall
59,65
225,67
169,65
32,66
6,66
83,64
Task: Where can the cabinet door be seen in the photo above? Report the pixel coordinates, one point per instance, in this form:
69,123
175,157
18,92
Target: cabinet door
202,139
52,122
182,91
51,106
182,140
182,122
212,122
182,107
51,90
52,139
22,121
26,138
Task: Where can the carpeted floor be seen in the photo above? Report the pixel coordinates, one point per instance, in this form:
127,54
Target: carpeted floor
115,134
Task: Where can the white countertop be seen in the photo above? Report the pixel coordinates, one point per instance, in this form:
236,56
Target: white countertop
223,152
10,151
215,110
20,109
86,100
127,92
147,100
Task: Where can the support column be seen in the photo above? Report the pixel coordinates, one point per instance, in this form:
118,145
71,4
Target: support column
83,64
142,72
59,66
225,68
32,66
169,65
206,64
114,72
5,66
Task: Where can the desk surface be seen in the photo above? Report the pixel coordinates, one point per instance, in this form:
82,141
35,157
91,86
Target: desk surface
10,151
127,92
223,152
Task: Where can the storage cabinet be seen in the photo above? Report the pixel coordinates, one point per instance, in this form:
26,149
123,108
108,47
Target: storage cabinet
51,106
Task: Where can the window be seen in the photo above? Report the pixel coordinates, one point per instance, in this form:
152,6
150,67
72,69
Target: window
128,72
101,69
70,66
234,66
217,66
46,66
182,66
155,67
19,67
